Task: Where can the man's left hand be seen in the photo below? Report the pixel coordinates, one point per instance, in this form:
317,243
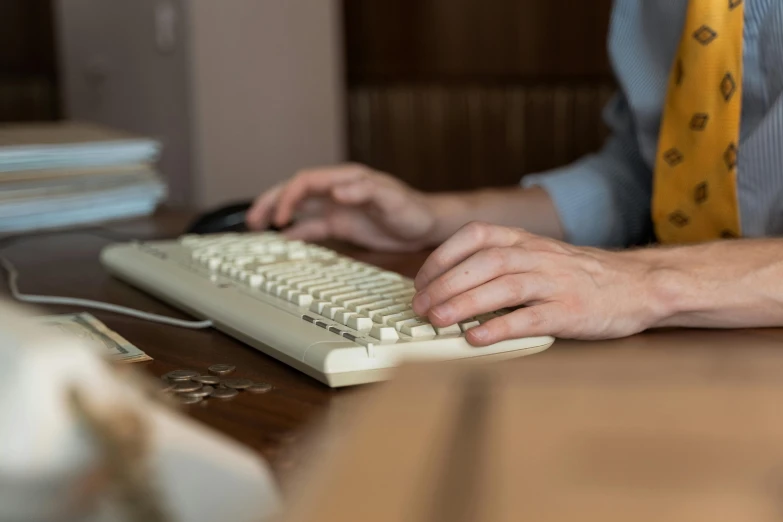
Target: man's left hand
567,291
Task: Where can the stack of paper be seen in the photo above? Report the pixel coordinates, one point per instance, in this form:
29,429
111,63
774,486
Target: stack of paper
66,174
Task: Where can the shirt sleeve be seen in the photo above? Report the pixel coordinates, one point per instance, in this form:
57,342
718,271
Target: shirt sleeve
604,199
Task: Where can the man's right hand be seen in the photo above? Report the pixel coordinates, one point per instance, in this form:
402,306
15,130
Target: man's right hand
348,202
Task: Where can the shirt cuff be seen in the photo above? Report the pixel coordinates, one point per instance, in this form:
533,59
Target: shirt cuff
584,202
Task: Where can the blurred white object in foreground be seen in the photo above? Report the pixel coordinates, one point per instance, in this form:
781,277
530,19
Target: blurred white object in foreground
81,440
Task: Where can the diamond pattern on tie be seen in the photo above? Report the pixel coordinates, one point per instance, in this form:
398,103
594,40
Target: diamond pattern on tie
734,3
704,35
678,218
730,156
728,86
728,234
673,157
699,121
700,192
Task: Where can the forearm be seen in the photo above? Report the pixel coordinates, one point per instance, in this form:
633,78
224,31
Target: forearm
728,284
531,209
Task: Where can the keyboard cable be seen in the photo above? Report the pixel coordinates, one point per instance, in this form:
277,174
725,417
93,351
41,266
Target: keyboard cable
13,277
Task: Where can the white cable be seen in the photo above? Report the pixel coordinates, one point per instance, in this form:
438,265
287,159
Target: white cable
13,276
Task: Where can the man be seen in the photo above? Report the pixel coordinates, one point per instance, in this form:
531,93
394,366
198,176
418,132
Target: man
700,80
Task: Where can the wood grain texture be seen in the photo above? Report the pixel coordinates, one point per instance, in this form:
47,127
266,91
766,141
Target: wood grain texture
465,40
453,138
461,94
28,61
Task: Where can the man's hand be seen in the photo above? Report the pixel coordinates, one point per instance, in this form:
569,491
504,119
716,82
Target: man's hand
348,202
566,291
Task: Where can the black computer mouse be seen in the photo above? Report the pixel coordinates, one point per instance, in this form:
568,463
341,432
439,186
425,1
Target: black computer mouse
229,218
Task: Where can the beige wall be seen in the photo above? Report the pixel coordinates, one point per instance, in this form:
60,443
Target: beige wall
268,88
248,91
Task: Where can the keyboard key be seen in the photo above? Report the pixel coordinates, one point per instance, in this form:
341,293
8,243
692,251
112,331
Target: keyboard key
384,333
255,280
417,328
325,291
453,329
374,305
353,303
405,292
317,306
376,284
341,298
361,323
297,254
382,315
300,299
343,316
331,310
396,320
467,325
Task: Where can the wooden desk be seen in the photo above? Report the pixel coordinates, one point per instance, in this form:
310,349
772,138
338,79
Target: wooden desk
67,264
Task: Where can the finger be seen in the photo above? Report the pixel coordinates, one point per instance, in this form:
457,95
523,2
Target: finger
533,321
310,230
503,292
387,198
258,215
391,202
465,242
478,269
310,182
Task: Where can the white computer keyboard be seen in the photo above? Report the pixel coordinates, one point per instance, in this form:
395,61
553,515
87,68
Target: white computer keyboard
338,320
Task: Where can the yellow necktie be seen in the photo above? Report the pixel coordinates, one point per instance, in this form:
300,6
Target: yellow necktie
694,189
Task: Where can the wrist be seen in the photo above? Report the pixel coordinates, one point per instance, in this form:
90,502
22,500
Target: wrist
670,286
449,212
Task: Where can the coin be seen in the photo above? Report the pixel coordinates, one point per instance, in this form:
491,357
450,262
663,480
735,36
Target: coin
201,392
207,379
259,387
238,384
189,400
186,386
180,375
221,369
166,386
223,393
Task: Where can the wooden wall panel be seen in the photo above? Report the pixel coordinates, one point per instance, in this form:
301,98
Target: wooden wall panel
28,65
458,94
439,138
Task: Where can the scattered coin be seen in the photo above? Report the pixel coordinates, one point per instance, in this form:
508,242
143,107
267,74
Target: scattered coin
201,392
207,379
186,386
259,387
221,369
223,393
180,375
238,384
189,400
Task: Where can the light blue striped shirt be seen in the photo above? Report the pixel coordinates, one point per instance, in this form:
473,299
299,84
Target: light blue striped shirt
604,199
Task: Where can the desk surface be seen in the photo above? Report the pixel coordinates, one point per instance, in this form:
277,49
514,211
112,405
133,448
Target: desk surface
66,263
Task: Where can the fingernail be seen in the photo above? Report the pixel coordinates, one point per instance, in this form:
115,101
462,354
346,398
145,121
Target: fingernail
442,313
479,333
421,302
